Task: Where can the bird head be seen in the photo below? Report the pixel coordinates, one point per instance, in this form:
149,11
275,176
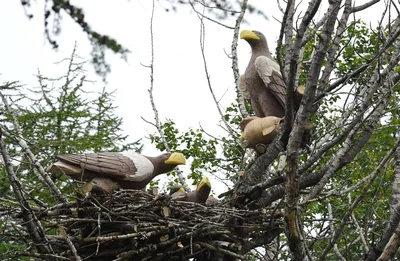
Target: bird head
203,189
250,35
175,158
256,40
205,182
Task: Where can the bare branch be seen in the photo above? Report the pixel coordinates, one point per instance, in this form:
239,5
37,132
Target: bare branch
202,47
235,69
156,118
364,6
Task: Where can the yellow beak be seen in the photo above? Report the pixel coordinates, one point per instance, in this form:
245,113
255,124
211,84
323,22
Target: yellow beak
204,182
176,158
248,35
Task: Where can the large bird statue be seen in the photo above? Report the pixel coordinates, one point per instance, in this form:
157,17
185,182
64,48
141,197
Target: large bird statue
257,132
111,170
262,81
200,195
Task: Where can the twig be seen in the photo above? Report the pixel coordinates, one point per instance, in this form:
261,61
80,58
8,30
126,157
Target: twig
225,251
332,229
156,118
202,47
70,244
208,18
235,68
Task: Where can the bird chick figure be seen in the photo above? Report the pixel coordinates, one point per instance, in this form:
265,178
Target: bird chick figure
258,132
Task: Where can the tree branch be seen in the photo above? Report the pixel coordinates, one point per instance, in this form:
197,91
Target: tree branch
156,118
37,167
235,69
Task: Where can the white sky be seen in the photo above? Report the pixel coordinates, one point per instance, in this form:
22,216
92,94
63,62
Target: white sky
181,92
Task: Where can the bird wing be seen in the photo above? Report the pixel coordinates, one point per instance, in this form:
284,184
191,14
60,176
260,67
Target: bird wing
107,164
269,72
243,87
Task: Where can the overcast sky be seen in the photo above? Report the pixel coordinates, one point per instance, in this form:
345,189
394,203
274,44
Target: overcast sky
181,92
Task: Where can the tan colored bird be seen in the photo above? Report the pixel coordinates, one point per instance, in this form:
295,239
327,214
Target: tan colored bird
259,131
262,81
111,170
200,195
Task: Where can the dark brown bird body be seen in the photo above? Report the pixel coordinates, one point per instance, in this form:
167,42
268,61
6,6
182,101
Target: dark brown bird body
129,170
262,82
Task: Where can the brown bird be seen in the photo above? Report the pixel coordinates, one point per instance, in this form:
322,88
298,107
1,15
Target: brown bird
257,132
111,170
200,195
262,81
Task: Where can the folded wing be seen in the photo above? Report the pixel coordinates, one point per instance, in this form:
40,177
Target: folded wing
107,164
269,72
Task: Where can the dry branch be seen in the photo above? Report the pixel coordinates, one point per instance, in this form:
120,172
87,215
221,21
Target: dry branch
235,68
156,117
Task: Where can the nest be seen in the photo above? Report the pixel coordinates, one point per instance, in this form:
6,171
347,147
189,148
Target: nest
136,225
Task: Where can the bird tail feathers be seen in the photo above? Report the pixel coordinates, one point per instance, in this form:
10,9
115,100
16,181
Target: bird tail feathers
64,168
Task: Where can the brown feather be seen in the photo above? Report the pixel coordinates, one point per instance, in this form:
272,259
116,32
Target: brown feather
278,88
104,164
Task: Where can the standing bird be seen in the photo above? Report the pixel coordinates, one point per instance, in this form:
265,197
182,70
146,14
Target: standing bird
262,82
200,195
110,170
263,85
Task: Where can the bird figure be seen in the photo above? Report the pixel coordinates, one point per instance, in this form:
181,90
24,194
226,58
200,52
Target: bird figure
262,84
258,132
111,170
200,195
262,81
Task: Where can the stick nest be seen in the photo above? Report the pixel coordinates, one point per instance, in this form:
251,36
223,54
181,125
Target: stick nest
135,225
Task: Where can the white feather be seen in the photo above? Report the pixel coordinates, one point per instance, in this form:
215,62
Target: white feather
143,165
265,66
